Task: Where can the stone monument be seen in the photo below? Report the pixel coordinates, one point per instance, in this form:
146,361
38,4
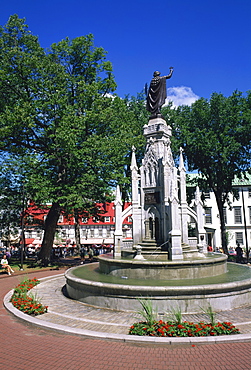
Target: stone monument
159,207
162,265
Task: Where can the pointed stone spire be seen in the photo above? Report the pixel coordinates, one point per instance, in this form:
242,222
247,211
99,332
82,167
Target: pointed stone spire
181,164
118,199
134,166
197,196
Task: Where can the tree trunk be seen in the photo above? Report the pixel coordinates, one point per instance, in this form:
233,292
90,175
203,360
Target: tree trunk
77,230
222,221
49,233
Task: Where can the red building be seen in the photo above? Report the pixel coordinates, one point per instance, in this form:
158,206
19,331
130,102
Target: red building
93,230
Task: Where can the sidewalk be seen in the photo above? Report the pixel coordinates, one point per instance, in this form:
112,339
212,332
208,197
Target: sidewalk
24,346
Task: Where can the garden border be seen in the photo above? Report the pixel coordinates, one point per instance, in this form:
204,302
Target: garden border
119,337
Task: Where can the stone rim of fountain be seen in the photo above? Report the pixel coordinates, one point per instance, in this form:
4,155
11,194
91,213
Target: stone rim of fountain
190,298
206,288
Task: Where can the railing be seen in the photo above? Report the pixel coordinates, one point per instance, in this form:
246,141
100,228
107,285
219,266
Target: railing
159,246
127,244
192,241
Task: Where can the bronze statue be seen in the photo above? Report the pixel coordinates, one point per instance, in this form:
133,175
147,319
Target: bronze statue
156,95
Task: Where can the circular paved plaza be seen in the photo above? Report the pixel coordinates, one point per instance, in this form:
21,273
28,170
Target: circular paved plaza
76,336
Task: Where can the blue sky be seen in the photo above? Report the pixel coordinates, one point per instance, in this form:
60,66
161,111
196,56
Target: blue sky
207,42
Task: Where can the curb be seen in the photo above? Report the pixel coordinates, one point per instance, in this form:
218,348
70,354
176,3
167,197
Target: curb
119,337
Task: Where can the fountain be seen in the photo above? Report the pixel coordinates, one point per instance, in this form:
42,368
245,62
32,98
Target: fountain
162,263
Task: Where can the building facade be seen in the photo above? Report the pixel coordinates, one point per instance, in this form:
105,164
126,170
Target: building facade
93,230
100,230
237,216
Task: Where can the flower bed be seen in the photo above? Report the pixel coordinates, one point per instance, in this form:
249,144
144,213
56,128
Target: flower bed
185,329
27,303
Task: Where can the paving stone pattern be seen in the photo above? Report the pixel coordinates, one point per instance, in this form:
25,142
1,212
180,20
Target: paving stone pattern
80,315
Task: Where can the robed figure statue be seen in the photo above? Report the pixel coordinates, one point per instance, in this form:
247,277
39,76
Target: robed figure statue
156,95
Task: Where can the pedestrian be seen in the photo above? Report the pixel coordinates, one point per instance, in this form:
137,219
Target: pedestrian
239,253
5,265
82,254
91,254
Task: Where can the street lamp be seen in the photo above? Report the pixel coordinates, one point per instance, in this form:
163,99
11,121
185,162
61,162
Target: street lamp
245,223
23,232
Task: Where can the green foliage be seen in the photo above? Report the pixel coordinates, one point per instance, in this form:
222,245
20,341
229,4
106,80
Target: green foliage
211,314
11,199
216,137
175,327
184,329
147,311
176,315
70,137
29,304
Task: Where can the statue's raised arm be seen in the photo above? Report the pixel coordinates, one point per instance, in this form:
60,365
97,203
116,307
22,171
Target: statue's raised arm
157,93
170,74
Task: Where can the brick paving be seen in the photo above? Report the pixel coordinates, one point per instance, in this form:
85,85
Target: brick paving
25,346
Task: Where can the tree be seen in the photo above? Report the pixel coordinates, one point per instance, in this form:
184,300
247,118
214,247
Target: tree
57,117
216,137
11,206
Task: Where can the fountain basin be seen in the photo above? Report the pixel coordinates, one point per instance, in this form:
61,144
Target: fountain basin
211,265
192,296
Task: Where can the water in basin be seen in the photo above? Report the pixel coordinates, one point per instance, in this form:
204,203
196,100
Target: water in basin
234,273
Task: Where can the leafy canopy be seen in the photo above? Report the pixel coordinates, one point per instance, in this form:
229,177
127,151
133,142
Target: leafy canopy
216,137
57,117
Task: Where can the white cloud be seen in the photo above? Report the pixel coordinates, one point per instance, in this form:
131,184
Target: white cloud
181,95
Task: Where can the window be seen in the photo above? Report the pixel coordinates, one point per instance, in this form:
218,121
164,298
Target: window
207,194
208,215
237,215
92,233
95,219
129,218
239,238
249,192
107,219
84,220
29,234
225,214
30,219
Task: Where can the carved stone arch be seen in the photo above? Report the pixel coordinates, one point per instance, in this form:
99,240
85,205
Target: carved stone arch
151,165
192,220
150,158
153,217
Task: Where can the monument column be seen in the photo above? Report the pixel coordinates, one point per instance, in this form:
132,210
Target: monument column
183,200
200,221
118,234
175,232
136,209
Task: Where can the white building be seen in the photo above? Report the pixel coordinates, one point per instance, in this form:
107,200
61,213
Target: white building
237,217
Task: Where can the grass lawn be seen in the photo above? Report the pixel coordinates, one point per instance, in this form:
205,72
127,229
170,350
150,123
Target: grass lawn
28,266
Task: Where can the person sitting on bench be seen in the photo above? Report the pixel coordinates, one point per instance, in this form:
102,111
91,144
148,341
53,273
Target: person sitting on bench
5,265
